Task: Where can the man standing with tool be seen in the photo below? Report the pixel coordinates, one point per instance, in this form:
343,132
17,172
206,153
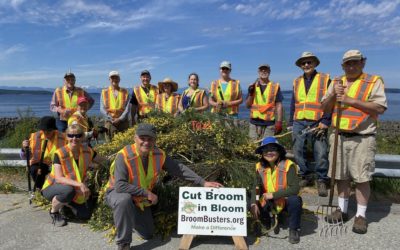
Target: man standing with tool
225,94
361,98
264,100
306,113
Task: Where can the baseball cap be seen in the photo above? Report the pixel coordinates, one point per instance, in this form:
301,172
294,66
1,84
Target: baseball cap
225,64
353,54
47,123
82,99
113,73
146,129
145,72
264,66
69,74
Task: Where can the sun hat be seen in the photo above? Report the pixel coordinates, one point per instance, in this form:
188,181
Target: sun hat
146,129
353,54
82,99
113,73
47,123
225,64
307,55
174,85
268,141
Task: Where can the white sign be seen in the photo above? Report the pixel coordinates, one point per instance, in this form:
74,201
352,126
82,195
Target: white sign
212,211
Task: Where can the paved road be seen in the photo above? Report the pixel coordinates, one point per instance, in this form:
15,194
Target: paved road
27,227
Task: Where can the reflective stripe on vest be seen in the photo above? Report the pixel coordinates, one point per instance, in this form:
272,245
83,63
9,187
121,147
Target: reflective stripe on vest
71,170
83,122
308,106
231,94
136,173
114,106
196,99
274,180
145,101
361,89
263,106
168,106
66,102
37,141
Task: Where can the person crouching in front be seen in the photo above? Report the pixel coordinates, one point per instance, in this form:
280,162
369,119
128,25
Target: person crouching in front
66,184
276,178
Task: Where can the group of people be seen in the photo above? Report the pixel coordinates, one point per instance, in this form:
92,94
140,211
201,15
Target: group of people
316,102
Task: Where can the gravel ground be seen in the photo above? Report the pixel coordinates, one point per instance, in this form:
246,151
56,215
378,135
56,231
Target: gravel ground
27,227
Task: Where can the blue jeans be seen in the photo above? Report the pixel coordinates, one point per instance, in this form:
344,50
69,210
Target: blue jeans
320,151
294,208
61,125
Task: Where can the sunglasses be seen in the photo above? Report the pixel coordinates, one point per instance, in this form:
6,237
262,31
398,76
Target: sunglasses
74,135
306,62
224,68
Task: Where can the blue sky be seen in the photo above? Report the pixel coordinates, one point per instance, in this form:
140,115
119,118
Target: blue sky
40,40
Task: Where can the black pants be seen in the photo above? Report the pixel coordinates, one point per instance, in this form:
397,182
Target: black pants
39,179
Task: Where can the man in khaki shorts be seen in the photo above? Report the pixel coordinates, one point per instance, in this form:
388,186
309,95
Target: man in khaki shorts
363,99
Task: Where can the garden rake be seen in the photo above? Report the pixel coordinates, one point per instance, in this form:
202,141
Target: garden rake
334,227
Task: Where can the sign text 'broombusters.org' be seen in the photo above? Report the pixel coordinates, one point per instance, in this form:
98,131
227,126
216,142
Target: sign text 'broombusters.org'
212,211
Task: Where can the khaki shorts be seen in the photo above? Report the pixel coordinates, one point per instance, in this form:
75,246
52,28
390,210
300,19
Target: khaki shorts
355,157
260,132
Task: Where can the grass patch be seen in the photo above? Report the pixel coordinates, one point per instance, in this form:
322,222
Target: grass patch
386,186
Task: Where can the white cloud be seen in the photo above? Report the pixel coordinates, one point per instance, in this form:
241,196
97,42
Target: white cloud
6,52
190,48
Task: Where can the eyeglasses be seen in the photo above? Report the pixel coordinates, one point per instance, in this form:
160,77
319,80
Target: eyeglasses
306,62
74,135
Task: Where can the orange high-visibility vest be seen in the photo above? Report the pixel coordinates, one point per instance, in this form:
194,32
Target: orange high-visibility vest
137,175
71,170
82,121
66,102
169,105
114,106
274,179
231,94
196,99
308,106
361,89
37,142
263,106
145,100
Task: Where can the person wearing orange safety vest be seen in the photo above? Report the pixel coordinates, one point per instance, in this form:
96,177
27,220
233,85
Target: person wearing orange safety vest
276,178
143,97
133,175
66,183
225,93
361,98
114,105
48,137
167,99
64,101
264,100
306,113
80,117
193,97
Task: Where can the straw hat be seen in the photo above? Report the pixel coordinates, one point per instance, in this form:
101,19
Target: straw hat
174,85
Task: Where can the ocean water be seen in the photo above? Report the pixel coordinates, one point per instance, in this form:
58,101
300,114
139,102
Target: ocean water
10,104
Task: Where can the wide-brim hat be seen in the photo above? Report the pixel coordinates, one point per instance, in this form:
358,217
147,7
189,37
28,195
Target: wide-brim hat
47,123
174,85
307,55
267,141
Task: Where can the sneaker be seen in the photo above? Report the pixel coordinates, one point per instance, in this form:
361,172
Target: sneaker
322,189
360,225
58,219
294,236
124,246
305,182
337,216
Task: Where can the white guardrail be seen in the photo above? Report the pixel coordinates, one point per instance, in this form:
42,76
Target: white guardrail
385,165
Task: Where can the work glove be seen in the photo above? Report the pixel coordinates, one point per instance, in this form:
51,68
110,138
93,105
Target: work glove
320,133
278,127
251,89
289,128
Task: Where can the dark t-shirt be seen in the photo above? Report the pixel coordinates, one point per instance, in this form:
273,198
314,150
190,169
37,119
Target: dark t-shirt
57,158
